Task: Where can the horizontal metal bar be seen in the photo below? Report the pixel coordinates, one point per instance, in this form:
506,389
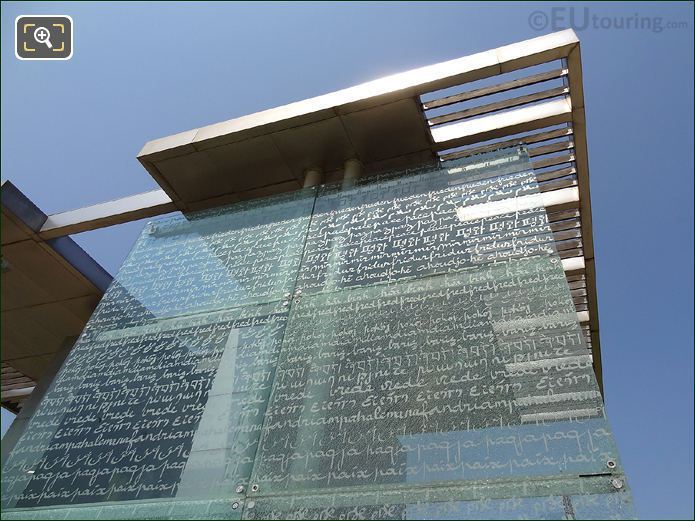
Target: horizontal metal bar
497,106
562,215
557,184
538,137
495,89
502,124
569,244
573,264
549,149
567,234
16,393
549,175
119,211
15,380
21,385
567,224
553,161
566,254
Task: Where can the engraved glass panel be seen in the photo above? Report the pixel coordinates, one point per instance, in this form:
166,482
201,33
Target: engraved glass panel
405,347
435,344
238,255
158,408
424,223
451,393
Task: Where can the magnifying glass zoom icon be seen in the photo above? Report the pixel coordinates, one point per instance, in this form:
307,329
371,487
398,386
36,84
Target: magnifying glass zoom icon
43,35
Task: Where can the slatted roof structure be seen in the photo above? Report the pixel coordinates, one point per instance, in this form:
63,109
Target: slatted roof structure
529,92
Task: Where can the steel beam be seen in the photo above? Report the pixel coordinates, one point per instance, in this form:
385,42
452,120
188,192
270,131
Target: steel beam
119,211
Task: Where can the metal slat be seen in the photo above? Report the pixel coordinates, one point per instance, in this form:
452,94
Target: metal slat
20,385
18,380
498,105
538,137
555,174
551,148
567,234
566,254
576,277
557,184
569,244
495,89
499,125
16,393
553,161
568,224
577,284
562,215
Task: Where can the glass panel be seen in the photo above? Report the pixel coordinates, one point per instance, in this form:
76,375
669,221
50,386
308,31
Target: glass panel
563,498
164,394
230,257
435,342
456,391
422,224
423,360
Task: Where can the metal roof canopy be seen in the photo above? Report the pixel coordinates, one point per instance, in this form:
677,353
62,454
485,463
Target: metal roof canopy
49,290
380,123
385,124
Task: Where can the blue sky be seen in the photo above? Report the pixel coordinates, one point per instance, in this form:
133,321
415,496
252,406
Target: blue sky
71,131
